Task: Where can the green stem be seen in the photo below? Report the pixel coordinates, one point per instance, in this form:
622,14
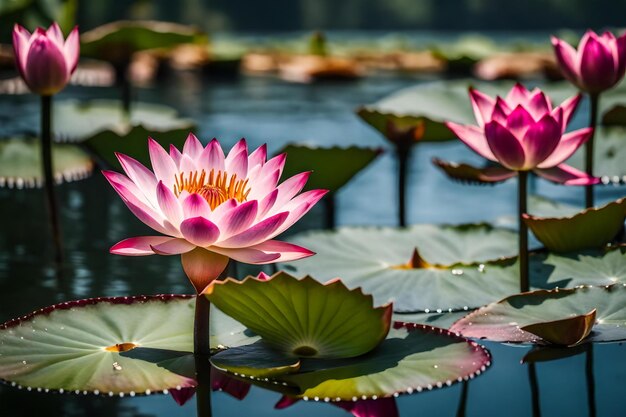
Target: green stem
48,174
203,389
201,329
460,412
591,384
404,154
534,390
330,211
523,230
594,99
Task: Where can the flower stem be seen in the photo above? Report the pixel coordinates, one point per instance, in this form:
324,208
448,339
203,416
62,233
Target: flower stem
534,390
48,174
523,230
201,342
594,99
203,388
591,384
404,154
330,211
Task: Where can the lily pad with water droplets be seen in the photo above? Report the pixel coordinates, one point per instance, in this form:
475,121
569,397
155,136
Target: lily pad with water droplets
76,121
589,229
85,346
413,358
21,167
332,167
303,317
505,320
590,268
457,267
609,155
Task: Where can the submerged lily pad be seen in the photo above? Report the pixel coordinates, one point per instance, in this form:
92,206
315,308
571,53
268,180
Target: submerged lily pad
590,228
302,317
412,358
20,163
609,155
332,167
84,346
76,121
450,272
604,268
505,320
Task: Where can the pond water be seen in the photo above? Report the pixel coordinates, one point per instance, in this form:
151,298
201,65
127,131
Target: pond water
268,110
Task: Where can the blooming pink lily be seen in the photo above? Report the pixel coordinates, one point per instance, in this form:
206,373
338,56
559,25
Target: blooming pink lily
597,65
45,59
210,207
524,132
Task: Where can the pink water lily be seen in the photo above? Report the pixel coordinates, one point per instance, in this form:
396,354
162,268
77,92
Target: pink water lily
524,132
598,64
210,207
45,59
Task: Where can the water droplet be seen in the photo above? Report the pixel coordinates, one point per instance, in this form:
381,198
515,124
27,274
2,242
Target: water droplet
457,272
117,366
24,362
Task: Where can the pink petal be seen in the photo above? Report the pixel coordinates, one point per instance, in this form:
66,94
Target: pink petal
173,247
238,219
192,147
288,251
196,206
473,137
567,175
483,106
175,155
55,34
620,46
538,105
202,267
140,175
163,165
569,143
169,204
240,146
212,157
187,165
276,163
566,56
183,395
500,111
258,157
290,187
597,67
238,165
261,186
540,141
45,70
267,203
222,210
298,207
257,233
71,49
21,43
518,95
383,407
233,387
518,121
506,147
248,255
569,106
285,402
199,231
139,246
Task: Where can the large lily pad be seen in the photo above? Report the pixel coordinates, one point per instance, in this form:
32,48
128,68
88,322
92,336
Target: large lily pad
84,346
604,268
332,167
588,229
609,155
76,121
304,318
450,271
412,358
505,320
20,163
117,41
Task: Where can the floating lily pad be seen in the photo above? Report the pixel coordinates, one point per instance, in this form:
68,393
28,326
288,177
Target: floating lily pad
590,228
569,331
117,41
609,155
469,174
442,320
504,320
332,167
413,358
20,163
85,346
437,102
604,268
258,360
302,317
451,271
76,121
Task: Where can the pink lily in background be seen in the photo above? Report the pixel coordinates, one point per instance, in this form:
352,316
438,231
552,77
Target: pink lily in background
210,207
524,132
45,59
596,65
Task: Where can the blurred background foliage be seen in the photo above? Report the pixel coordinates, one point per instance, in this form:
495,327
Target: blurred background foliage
287,15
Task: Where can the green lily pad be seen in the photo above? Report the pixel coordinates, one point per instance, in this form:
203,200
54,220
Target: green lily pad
609,155
469,174
437,102
258,360
332,167
84,346
442,320
590,228
504,320
569,331
413,358
20,163
116,42
604,268
452,269
76,121
304,318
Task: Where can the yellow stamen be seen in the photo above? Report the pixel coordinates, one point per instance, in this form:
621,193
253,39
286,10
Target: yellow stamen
216,188
121,347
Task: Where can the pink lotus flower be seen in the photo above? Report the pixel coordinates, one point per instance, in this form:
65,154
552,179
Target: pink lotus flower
524,132
45,59
212,208
597,65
